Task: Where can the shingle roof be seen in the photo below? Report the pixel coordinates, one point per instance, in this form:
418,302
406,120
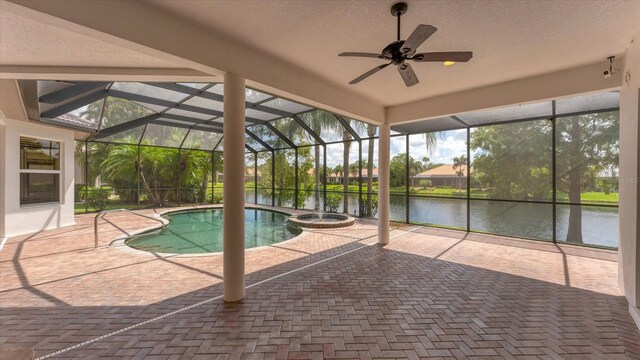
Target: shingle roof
442,170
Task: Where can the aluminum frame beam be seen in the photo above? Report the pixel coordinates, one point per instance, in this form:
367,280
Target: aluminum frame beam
73,105
256,138
124,126
347,126
70,92
308,129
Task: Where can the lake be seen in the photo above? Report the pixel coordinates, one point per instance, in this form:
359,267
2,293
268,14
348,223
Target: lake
528,220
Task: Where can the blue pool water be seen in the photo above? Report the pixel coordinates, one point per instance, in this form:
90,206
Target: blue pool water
200,231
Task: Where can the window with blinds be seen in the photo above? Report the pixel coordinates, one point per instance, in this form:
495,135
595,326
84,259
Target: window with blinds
39,171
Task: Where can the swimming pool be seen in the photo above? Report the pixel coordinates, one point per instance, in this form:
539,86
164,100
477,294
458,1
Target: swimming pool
200,231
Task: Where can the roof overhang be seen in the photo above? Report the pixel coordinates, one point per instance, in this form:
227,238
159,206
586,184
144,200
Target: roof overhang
200,59
166,37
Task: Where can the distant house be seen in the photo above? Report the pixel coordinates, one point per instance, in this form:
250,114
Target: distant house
333,178
337,178
443,175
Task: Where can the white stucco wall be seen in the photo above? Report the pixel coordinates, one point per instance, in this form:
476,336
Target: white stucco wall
22,220
2,170
629,179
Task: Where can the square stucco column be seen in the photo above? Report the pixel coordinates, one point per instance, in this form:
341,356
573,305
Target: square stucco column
233,200
383,183
629,249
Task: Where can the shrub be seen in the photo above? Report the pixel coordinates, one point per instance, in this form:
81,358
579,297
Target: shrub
333,202
98,198
373,202
425,183
217,199
77,192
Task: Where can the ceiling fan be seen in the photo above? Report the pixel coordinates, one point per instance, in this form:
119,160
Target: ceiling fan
399,51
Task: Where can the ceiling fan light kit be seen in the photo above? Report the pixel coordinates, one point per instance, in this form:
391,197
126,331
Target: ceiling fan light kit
399,51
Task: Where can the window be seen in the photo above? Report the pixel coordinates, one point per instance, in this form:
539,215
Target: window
39,171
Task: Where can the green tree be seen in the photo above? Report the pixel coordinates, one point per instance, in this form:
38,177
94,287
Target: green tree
397,169
585,146
319,121
459,164
113,111
285,176
513,161
338,170
368,208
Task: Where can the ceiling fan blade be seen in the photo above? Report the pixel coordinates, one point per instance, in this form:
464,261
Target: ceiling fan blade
408,75
457,56
362,54
368,73
417,37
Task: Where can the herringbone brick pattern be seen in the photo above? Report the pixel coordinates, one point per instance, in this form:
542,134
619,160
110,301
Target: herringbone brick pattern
429,294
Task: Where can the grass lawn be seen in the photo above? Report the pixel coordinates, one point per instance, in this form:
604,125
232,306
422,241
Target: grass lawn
594,197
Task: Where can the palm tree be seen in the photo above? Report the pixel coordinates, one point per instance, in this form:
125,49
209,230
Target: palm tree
346,145
431,141
97,153
113,111
319,121
371,132
458,164
338,170
415,167
355,167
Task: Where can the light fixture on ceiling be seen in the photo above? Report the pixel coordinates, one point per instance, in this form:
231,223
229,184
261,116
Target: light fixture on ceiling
448,63
610,71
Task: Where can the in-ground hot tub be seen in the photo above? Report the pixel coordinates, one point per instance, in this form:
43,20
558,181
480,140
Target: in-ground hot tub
321,220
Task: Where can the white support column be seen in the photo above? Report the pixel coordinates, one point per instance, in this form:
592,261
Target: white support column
233,200
629,211
383,183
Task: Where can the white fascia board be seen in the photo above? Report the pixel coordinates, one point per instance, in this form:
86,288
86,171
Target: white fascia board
574,81
80,73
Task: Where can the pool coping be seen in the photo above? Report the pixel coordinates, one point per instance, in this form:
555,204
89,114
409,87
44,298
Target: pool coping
119,243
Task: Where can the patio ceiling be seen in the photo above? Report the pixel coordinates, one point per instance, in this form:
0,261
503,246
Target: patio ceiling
302,65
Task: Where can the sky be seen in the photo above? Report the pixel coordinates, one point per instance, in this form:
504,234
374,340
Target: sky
450,144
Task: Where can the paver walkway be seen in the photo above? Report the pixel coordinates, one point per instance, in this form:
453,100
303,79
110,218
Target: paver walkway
428,294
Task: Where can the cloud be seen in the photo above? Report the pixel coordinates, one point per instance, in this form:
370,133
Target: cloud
450,144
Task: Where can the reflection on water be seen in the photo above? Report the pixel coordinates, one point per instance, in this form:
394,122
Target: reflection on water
529,220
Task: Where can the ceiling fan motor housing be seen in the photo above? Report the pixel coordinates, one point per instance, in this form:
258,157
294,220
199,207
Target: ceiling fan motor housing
394,53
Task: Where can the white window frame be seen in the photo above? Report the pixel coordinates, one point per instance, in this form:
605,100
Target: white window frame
35,171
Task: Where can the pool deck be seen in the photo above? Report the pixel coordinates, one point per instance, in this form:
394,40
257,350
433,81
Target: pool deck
329,293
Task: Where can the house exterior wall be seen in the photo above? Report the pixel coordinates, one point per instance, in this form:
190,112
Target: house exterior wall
629,257
452,181
19,220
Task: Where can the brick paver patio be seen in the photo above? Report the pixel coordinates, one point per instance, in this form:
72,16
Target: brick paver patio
429,294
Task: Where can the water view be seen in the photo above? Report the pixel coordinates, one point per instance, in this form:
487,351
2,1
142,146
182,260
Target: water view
528,220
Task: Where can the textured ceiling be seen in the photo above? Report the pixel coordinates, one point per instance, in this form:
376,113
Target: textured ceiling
510,39
28,42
